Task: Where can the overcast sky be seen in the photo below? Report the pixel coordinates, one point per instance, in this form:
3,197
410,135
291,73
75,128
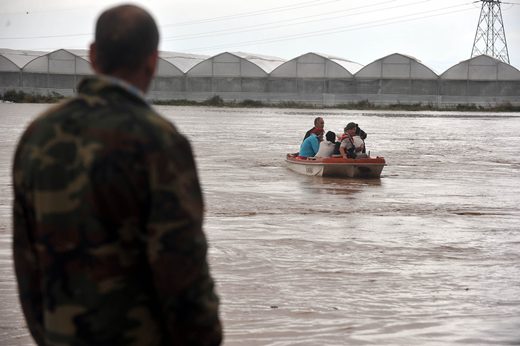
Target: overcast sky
439,33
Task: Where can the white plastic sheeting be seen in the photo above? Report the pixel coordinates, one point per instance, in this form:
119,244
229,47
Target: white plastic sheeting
59,62
226,65
483,68
239,64
313,65
20,57
7,65
266,63
311,78
350,66
396,66
178,61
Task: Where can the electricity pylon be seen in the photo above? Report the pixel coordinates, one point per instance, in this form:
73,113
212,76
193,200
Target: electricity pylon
490,37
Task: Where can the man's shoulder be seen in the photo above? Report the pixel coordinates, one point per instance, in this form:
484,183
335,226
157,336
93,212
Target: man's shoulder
309,139
105,121
45,121
158,121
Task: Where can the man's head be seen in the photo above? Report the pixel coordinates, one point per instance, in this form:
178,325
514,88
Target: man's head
319,123
331,136
126,44
351,128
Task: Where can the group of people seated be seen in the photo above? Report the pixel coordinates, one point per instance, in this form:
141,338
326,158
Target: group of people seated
350,144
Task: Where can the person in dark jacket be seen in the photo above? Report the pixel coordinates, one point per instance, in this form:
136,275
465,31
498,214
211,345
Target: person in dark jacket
108,211
319,124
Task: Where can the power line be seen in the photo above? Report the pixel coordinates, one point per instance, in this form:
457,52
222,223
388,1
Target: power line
368,25
43,36
242,29
200,21
272,25
255,13
207,20
31,12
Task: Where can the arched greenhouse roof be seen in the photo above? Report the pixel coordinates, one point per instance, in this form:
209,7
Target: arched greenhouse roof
20,57
265,62
6,65
60,61
82,53
313,65
482,67
396,66
167,69
182,61
349,65
226,65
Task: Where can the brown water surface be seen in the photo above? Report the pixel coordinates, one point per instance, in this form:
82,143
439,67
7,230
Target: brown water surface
427,255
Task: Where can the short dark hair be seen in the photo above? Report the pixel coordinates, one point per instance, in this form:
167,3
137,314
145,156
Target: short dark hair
125,36
316,120
350,126
331,136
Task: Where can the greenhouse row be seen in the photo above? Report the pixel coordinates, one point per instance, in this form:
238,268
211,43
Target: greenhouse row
311,78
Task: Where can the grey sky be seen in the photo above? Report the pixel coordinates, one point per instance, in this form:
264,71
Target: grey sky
439,33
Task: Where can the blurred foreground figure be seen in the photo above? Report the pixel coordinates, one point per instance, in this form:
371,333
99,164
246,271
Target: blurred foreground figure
108,242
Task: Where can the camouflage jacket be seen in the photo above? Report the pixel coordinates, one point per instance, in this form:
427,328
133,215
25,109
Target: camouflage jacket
107,214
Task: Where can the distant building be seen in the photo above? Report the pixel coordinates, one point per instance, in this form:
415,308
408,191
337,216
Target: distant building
312,78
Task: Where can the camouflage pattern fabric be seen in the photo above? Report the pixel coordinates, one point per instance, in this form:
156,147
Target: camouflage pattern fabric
108,242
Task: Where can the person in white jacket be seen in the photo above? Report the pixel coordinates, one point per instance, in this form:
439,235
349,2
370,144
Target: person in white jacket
327,146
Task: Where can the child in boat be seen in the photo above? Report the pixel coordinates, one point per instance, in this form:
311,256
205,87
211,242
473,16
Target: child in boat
327,146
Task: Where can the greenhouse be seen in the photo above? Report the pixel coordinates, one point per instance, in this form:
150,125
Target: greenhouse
312,78
481,80
233,76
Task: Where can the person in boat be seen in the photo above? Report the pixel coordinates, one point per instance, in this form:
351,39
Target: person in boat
319,124
352,145
311,144
327,147
359,132
362,135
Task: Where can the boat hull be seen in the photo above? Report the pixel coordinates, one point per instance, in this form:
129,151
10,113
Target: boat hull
367,168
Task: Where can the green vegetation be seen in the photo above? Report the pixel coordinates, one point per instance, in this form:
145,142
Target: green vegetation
217,101
366,105
23,97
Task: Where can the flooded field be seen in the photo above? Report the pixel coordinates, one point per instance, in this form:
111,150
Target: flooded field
427,255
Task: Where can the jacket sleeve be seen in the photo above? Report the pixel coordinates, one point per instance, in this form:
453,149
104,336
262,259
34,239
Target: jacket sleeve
24,257
177,247
315,145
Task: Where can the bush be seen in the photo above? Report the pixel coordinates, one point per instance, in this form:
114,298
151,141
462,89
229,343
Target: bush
251,103
214,101
23,97
181,102
217,101
13,96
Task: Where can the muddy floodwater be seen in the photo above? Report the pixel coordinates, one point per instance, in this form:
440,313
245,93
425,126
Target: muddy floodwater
427,255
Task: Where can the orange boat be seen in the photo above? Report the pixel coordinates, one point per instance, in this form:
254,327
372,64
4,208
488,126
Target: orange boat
337,166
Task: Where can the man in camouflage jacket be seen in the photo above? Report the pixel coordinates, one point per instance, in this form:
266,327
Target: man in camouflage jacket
108,242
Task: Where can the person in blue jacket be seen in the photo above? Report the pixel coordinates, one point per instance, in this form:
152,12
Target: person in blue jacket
311,144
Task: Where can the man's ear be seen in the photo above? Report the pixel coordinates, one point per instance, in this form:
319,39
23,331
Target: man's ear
93,57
